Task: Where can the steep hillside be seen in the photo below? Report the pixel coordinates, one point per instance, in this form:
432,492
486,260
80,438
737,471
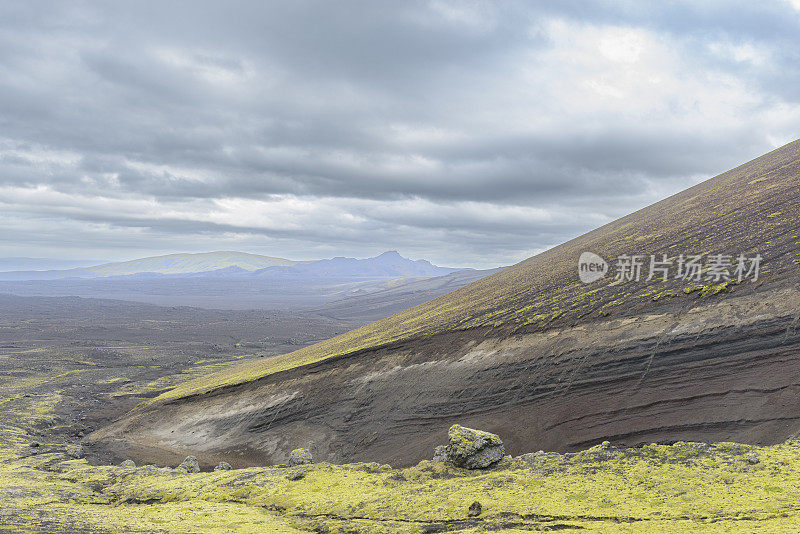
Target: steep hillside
752,209
537,355
398,294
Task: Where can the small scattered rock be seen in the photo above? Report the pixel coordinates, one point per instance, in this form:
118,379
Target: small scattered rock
35,444
695,446
297,474
606,501
505,462
600,450
531,457
374,467
223,466
752,460
475,509
128,463
300,457
473,449
190,465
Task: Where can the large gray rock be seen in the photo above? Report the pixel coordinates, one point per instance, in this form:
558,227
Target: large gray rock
190,465
473,449
300,457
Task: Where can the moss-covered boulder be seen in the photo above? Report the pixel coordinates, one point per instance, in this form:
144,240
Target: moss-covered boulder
473,449
299,457
190,465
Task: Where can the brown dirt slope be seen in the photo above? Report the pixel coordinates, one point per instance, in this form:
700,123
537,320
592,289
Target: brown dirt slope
536,355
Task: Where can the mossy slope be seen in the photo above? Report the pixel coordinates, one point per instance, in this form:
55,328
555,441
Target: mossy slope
752,209
725,487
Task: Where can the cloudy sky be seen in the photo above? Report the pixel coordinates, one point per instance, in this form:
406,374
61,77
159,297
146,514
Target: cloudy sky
465,132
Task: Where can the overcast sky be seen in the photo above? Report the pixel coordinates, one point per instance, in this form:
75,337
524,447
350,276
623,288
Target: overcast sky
465,132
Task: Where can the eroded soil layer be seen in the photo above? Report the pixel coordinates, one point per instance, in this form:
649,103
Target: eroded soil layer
720,369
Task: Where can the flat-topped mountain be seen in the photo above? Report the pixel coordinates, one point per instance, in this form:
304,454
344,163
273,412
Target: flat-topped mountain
692,334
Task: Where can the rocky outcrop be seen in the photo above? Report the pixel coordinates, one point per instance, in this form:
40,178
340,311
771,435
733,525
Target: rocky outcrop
300,457
190,465
470,448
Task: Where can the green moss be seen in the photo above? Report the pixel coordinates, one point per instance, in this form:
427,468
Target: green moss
711,289
695,288
655,488
664,295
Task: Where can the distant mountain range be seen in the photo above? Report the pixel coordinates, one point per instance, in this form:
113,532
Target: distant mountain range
41,264
228,264
387,265
191,263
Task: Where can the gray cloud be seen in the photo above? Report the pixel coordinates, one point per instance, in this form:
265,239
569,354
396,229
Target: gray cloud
468,132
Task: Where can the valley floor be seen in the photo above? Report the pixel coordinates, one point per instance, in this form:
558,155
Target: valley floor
53,390
726,487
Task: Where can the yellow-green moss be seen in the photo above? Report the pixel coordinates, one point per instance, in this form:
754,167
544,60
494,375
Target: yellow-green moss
657,488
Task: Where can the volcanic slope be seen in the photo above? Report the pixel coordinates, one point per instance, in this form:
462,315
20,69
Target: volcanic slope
534,354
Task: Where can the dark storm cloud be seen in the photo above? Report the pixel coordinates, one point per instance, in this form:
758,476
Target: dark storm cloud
494,129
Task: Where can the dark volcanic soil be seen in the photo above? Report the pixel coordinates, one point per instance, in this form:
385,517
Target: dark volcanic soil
715,370
83,363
